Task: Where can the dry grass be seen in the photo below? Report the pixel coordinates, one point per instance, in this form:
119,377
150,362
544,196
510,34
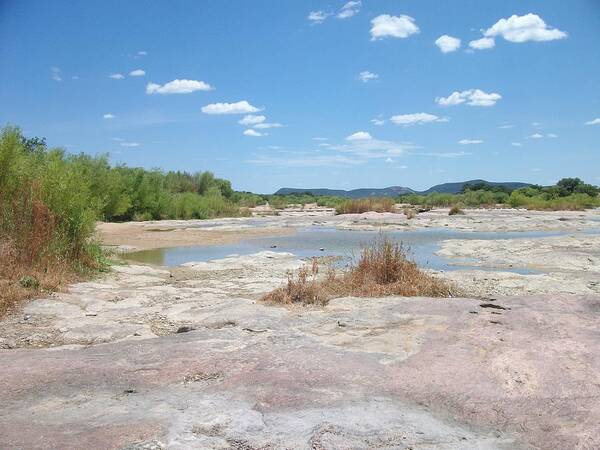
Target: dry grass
382,269
455,210
23,276
410,213
29,262
362,205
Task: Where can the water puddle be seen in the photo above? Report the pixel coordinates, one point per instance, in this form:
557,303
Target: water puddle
320,241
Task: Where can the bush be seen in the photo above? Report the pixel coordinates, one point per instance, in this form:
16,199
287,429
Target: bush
383,204
455,210
382,269
47,218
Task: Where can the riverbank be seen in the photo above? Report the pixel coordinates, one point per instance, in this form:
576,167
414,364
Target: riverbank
189,357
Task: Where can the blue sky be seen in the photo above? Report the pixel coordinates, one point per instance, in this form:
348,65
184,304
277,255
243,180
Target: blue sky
340,94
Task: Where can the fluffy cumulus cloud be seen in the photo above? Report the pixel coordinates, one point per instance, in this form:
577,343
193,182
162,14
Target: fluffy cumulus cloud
473,97
593,122
536,136
251,119
178,87
252,133
317,16
108,116
482,44
378,121
359,136
470,141
367,76
416,118
529,27
384,26
349,9
116,76
447,44
137,73
241,107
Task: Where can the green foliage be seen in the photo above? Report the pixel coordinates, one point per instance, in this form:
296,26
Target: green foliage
567,194
50,201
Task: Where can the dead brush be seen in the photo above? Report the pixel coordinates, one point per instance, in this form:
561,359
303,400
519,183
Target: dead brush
358,206
410,213
456,210
301,288
383,269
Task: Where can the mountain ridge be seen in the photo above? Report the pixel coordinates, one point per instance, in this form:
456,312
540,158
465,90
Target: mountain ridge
393,191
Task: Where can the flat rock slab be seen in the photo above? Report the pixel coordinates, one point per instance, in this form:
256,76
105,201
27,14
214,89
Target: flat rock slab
391,373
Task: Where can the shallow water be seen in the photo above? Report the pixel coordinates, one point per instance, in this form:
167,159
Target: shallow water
319,241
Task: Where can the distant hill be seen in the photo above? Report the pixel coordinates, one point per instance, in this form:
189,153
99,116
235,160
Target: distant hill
393,191
455,188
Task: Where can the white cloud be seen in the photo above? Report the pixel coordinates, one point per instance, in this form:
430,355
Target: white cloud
389,160
108,116
536,136
252,119
516,144
473,97
116,76
178,87
137,73
470,141
305,160
130,144
320,139
416,118
55,73
378,122
392,26
359,136
349,9
253,133
447,43
367,76
443,154
318,16
529,27
265,125
552,135
593,122
506,127
482,44
241,107
365,146
142,53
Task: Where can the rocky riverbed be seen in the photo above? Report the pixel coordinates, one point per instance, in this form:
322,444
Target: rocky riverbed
189,357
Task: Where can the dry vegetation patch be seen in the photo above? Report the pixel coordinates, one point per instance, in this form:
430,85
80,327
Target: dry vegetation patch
382,269
455,210
362,205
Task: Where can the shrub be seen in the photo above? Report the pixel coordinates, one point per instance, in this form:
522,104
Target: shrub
47,219
455,210
382,269
410,213
383,204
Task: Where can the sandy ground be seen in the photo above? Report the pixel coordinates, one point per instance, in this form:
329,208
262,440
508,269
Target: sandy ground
130,236
189,357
